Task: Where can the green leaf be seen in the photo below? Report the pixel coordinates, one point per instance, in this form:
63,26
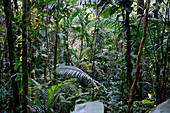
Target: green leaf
42,94
53,88
34,9
20,69
84,51
17,78
37,102
146,101
30,81
17,64
43,64
138,84
50,96
53,91
34,82
20,89
75,14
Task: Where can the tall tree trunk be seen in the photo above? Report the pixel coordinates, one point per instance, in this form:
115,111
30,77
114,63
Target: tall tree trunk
123,53
140,10
164,55
8,17
158,87
24,56
131,93
139,89
46,37
128,56
56,46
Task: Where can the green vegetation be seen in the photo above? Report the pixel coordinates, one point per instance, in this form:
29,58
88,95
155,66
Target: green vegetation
84,56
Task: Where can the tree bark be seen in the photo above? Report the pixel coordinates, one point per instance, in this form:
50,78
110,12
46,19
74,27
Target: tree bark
158,87
130,103
56,46
24,56
131,93
8,17
128,56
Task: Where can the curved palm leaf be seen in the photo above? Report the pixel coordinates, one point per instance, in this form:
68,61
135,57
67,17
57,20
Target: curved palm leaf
76,72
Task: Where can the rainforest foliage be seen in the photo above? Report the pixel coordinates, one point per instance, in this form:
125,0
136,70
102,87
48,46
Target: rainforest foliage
84,56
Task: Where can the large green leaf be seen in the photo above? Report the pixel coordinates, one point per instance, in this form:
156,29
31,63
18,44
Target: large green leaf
53,90
76,72
89,107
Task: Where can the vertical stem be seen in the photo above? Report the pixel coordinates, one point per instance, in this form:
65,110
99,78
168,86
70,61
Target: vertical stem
158,88
67,50
164,55
55,47
82,37
123,52
131,93
24,56
8,18
46,37
128,56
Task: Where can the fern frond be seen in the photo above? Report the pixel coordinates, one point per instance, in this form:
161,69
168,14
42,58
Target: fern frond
76,72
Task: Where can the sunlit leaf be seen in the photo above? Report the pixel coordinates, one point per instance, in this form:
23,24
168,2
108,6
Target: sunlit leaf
146,101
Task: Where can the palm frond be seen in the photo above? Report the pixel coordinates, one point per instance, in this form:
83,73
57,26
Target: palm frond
76,72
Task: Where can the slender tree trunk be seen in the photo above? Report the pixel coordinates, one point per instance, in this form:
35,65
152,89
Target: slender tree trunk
56,47
164,55
128,56
67,49
24,56
158,87
131,93
8,17
123,52
139,89
46,37
140,10
82,37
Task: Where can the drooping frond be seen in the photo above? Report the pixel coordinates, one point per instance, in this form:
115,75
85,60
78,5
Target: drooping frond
76,72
